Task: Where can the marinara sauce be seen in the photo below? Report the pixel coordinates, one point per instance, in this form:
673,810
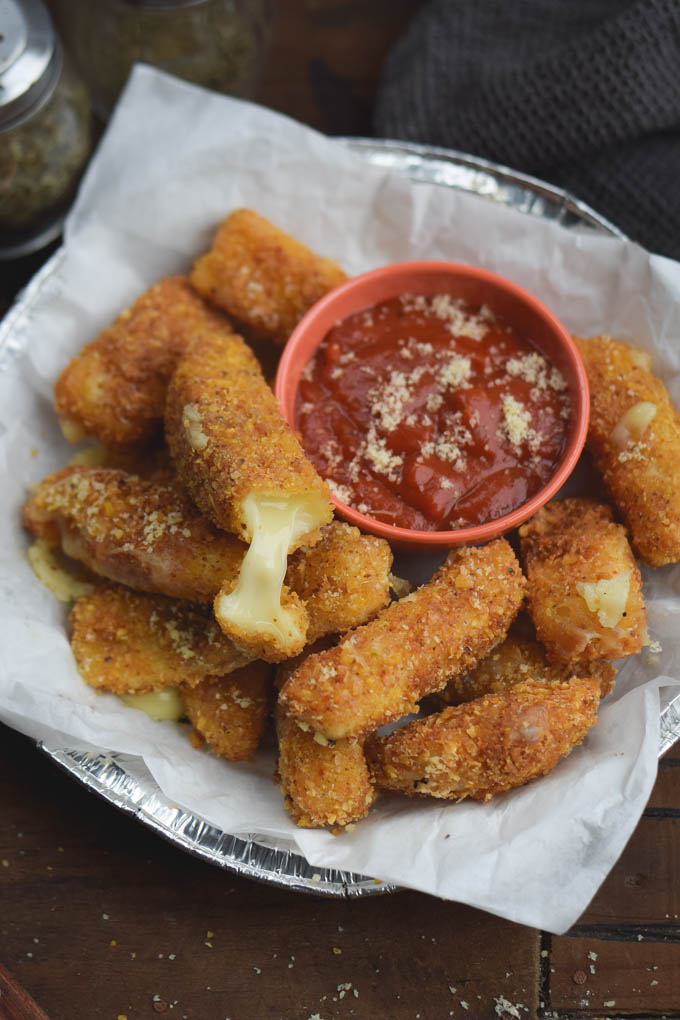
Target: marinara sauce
428,414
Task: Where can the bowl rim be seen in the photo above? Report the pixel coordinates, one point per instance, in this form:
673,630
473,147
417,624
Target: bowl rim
576,433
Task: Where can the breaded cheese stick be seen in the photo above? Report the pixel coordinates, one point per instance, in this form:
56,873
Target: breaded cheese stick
115,388
325,783
485,746
344,580
512,662
246,470
262,276
229,713
143,534
381,670
634,437
584,590
148,536
126,642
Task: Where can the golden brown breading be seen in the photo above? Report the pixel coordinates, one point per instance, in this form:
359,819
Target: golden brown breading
246,470
343,581
134,532
584,591
634,437
324,783
381,670
262,276
115,388
229,713
125,642
513,661
139,533
485,746
230,442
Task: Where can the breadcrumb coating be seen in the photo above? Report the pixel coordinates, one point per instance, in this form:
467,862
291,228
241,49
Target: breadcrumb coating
381,670
229,713
126,642
115,388
325,783
634,437
262,276
344,580
488,745
513,661
229,440
585,590
143,534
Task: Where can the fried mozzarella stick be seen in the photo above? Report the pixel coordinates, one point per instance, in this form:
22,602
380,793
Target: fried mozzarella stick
634,437
262,276
325,783
245,469
144,534
381,670
512,662
229,713
126,642
344,580
584,590
115,388
485,746
148,536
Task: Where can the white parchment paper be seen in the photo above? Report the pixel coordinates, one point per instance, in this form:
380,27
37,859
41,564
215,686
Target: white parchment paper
174,161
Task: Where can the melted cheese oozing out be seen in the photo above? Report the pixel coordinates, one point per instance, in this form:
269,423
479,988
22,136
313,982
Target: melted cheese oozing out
276,526
90,456
606,598
163,705
633,424
71,430
63,585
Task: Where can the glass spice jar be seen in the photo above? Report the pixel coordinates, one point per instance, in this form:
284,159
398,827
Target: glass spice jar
214,43
45,129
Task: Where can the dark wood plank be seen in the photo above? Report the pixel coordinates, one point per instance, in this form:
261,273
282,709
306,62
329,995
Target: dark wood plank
325,64
87,891
643,887
666,793
614,978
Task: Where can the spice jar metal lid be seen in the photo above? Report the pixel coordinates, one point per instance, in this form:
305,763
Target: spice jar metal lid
31,59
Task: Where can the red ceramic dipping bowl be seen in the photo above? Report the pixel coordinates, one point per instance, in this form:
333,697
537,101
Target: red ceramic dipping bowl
516,306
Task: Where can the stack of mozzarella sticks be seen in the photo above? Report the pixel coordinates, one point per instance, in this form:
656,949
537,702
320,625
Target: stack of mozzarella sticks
214,570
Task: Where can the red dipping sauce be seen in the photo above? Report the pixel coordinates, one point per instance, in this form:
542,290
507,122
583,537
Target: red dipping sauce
426,413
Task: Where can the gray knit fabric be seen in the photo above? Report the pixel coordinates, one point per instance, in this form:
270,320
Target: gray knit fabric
583,93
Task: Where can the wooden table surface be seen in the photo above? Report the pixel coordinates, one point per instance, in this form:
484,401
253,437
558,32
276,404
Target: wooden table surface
100,918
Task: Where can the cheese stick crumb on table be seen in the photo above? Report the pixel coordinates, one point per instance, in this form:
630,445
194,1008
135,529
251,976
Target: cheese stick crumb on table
483,747
245,469
380,671
634,437
262,276
585,590
115,388
126,642
229,713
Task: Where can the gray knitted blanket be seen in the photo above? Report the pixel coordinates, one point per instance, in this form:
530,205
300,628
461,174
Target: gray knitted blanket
582,93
